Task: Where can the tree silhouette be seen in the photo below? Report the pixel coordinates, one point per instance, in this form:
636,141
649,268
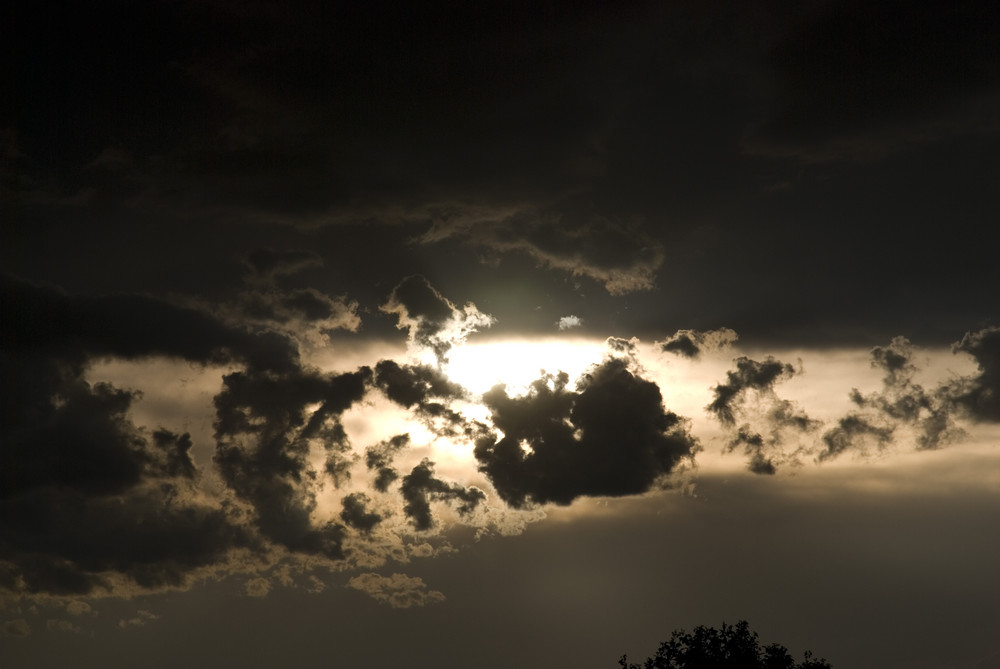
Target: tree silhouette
731,647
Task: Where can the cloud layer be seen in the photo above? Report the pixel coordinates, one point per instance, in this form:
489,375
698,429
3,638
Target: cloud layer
95,504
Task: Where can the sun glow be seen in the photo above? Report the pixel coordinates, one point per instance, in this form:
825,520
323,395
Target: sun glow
516,363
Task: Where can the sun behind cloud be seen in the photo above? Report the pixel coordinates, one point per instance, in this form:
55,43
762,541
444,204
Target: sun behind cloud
517,362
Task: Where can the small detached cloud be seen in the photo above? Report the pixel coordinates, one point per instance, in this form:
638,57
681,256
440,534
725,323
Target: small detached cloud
692,343
79,607
398,591
57,625
257,587
17,628
569,322
141,618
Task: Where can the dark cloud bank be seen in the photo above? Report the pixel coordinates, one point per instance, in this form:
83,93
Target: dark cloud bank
93,503
243,184
84,491
650,151
87,495
89,498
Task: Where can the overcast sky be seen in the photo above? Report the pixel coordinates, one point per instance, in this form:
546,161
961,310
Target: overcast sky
497,334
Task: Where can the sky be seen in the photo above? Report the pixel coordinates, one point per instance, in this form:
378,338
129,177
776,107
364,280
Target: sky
499,333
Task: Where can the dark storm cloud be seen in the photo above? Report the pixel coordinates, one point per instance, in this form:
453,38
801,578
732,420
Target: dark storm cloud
39,320
438,130
379,458
900,403
415,386
980,395
68,442
339,457
569,152
385,478
420,487
442,420
682,343
84,493
432,321
611,437
355,512
410,385
859,76
748,375
254,116
268,264
64,542
60,430
264,432
177,452
691,343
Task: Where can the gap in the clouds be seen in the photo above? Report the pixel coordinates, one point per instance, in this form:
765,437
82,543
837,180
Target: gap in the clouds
479,365
172,394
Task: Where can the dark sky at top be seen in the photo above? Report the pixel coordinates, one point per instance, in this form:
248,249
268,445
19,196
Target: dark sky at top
243,244
803,172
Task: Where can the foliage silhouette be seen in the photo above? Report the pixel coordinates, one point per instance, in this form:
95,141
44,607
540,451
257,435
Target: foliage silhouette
731,647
